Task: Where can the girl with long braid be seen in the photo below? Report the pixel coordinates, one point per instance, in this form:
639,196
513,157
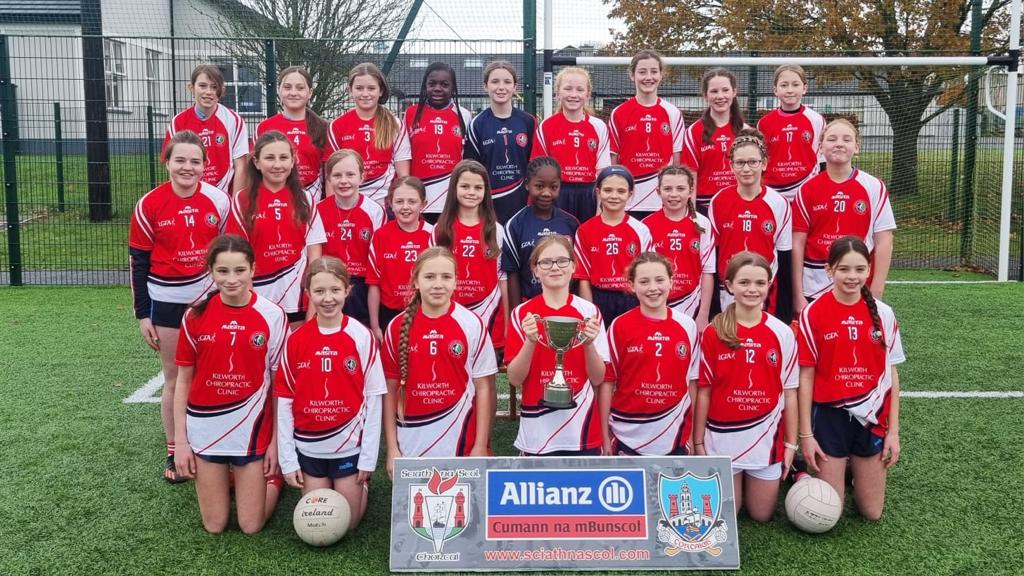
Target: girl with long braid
849,346
438,362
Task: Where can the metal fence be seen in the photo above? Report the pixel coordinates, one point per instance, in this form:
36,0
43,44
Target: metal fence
947,215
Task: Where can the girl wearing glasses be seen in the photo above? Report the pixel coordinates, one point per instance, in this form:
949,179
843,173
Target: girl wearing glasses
752,217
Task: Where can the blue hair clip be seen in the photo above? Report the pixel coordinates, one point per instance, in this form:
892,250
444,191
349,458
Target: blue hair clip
615,170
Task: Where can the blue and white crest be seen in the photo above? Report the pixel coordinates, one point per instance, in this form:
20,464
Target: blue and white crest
691,508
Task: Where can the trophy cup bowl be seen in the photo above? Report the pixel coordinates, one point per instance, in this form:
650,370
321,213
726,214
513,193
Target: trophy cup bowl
563,333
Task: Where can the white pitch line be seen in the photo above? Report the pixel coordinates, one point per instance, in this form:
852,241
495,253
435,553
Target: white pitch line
958,394
148,394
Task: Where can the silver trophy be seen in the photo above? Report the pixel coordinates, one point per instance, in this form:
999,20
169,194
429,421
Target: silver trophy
563,333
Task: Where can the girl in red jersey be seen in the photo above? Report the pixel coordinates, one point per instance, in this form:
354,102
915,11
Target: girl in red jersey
707,141
435,130
373,131
840,201
646,132
645,407
792,133
280,220
752,217
577,140
393,252
439,365
220,128
223,424
746,404
301,126
547,431
350,220
328,389
606,244
170,229
849,387
684,236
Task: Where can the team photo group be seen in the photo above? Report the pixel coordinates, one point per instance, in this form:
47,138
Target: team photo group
650,287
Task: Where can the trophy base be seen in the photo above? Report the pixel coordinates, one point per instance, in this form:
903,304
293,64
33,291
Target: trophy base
558,404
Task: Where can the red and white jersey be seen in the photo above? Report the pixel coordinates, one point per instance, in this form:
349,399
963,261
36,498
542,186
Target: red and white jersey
581,148
651,408
763,225
350,230
224,136
279,239
604,251
827,210
744,419
709,160
793,139
445,354
645,139
232,350
328,375
349,131
176,232
393,254
691,251
852,369
543,430
309,157
435,145
479,269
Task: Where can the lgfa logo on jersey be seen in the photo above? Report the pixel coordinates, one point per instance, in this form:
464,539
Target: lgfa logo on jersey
439,510
691,508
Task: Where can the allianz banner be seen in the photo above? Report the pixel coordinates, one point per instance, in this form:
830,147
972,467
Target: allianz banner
571,513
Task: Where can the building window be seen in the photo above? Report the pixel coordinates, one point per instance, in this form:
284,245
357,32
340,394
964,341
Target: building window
243,91
153,80
114,73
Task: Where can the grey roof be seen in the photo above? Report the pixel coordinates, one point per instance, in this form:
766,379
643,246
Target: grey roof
40,10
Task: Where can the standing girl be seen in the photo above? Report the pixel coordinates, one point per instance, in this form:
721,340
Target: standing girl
373,131
841,201
393,252
849,388
684,236
708,141
501,138
329,388
541,218
223,423
646,132
439,364
747,394
170,229
792,133
577,140
547,431
350,220
280,220
607,243
646,408
301,126
435,131
221,130
749,216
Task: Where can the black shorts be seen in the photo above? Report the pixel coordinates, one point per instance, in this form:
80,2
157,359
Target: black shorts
839,434
385,315
167,314
328,467
293,317
355,303
624,450
584,452
232,460
613,303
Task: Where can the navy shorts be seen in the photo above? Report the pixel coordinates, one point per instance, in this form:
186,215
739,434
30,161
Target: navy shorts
328,467
613,303
232,460
355,303
299,316
578,199
624,450
385,315
839,434
586,452
167,314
